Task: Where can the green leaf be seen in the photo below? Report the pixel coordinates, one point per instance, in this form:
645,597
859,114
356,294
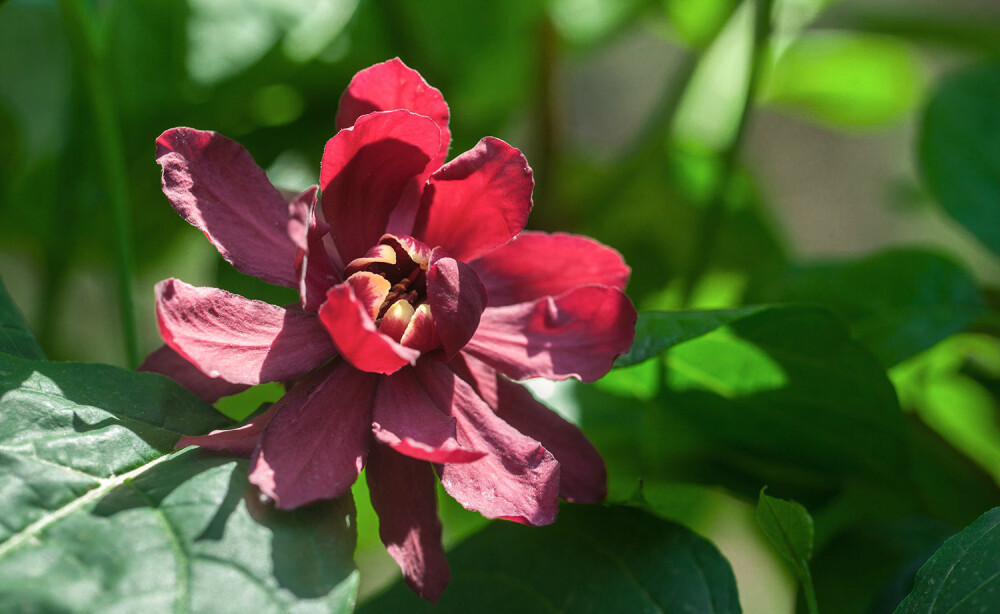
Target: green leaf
787,525
593,559
788,387
698,23
963,576
897,303
847,80
15,336
98,518
657,331
959,150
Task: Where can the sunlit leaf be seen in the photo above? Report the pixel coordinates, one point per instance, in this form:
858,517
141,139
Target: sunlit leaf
788,526
698,22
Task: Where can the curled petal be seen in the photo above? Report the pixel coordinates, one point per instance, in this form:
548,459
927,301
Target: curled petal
347,316
537,264
421,333
517,479
408,421
315,271
166,361
239,340
478,201
365,172
576,334
404,497
315,446
457,299
214,184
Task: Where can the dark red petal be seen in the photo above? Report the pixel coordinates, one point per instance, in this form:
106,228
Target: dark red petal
315,271
457,299
315,447
478,201
406,419
166,361
239,340
576,334
241,441
583,478
537,264
517,477
214,184
421,333
365,172
404,497
347,318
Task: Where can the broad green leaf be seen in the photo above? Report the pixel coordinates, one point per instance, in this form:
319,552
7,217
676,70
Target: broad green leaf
593,559
848,80
657,331
897,303
959,150
788,387
15,336
698,23
963,576
99,517
788,526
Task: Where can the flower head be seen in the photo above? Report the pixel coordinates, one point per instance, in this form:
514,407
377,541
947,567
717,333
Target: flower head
422,298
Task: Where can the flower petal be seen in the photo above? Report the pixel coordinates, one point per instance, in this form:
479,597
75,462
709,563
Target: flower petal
315,447
457,299
214,184
239,340
407,420
315,271
404,497
576,334
583,477
166,361
478,201
518,478
346,314
366,170
421,333
241,441
537,264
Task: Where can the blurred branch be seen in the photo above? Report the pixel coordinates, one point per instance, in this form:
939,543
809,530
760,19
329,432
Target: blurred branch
84,43
709,226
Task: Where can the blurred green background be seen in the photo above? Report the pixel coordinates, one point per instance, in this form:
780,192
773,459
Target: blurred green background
715,157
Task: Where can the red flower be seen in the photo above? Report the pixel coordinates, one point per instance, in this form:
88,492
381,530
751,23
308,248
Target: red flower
421,296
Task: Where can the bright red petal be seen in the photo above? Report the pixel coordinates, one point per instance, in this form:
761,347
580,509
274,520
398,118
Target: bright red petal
537,264
214,184
478,201
239,340
366,170
166,361
403,495
576,334
457,299
517,477
346,317
407,420
315,447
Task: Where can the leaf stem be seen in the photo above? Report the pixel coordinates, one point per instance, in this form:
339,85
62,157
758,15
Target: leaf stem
709,225
83,41
805,578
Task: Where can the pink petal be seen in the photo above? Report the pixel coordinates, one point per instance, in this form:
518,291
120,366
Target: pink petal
239,340
576,334
517,478
421,332
457,299
315,447
537,264
241,441
346,314
478,201
166,361
407,420
583,478
404,497
315,271
366,170
214,184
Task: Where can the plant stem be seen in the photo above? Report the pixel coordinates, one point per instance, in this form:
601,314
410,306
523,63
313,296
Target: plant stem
708,231
83,41
805,578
